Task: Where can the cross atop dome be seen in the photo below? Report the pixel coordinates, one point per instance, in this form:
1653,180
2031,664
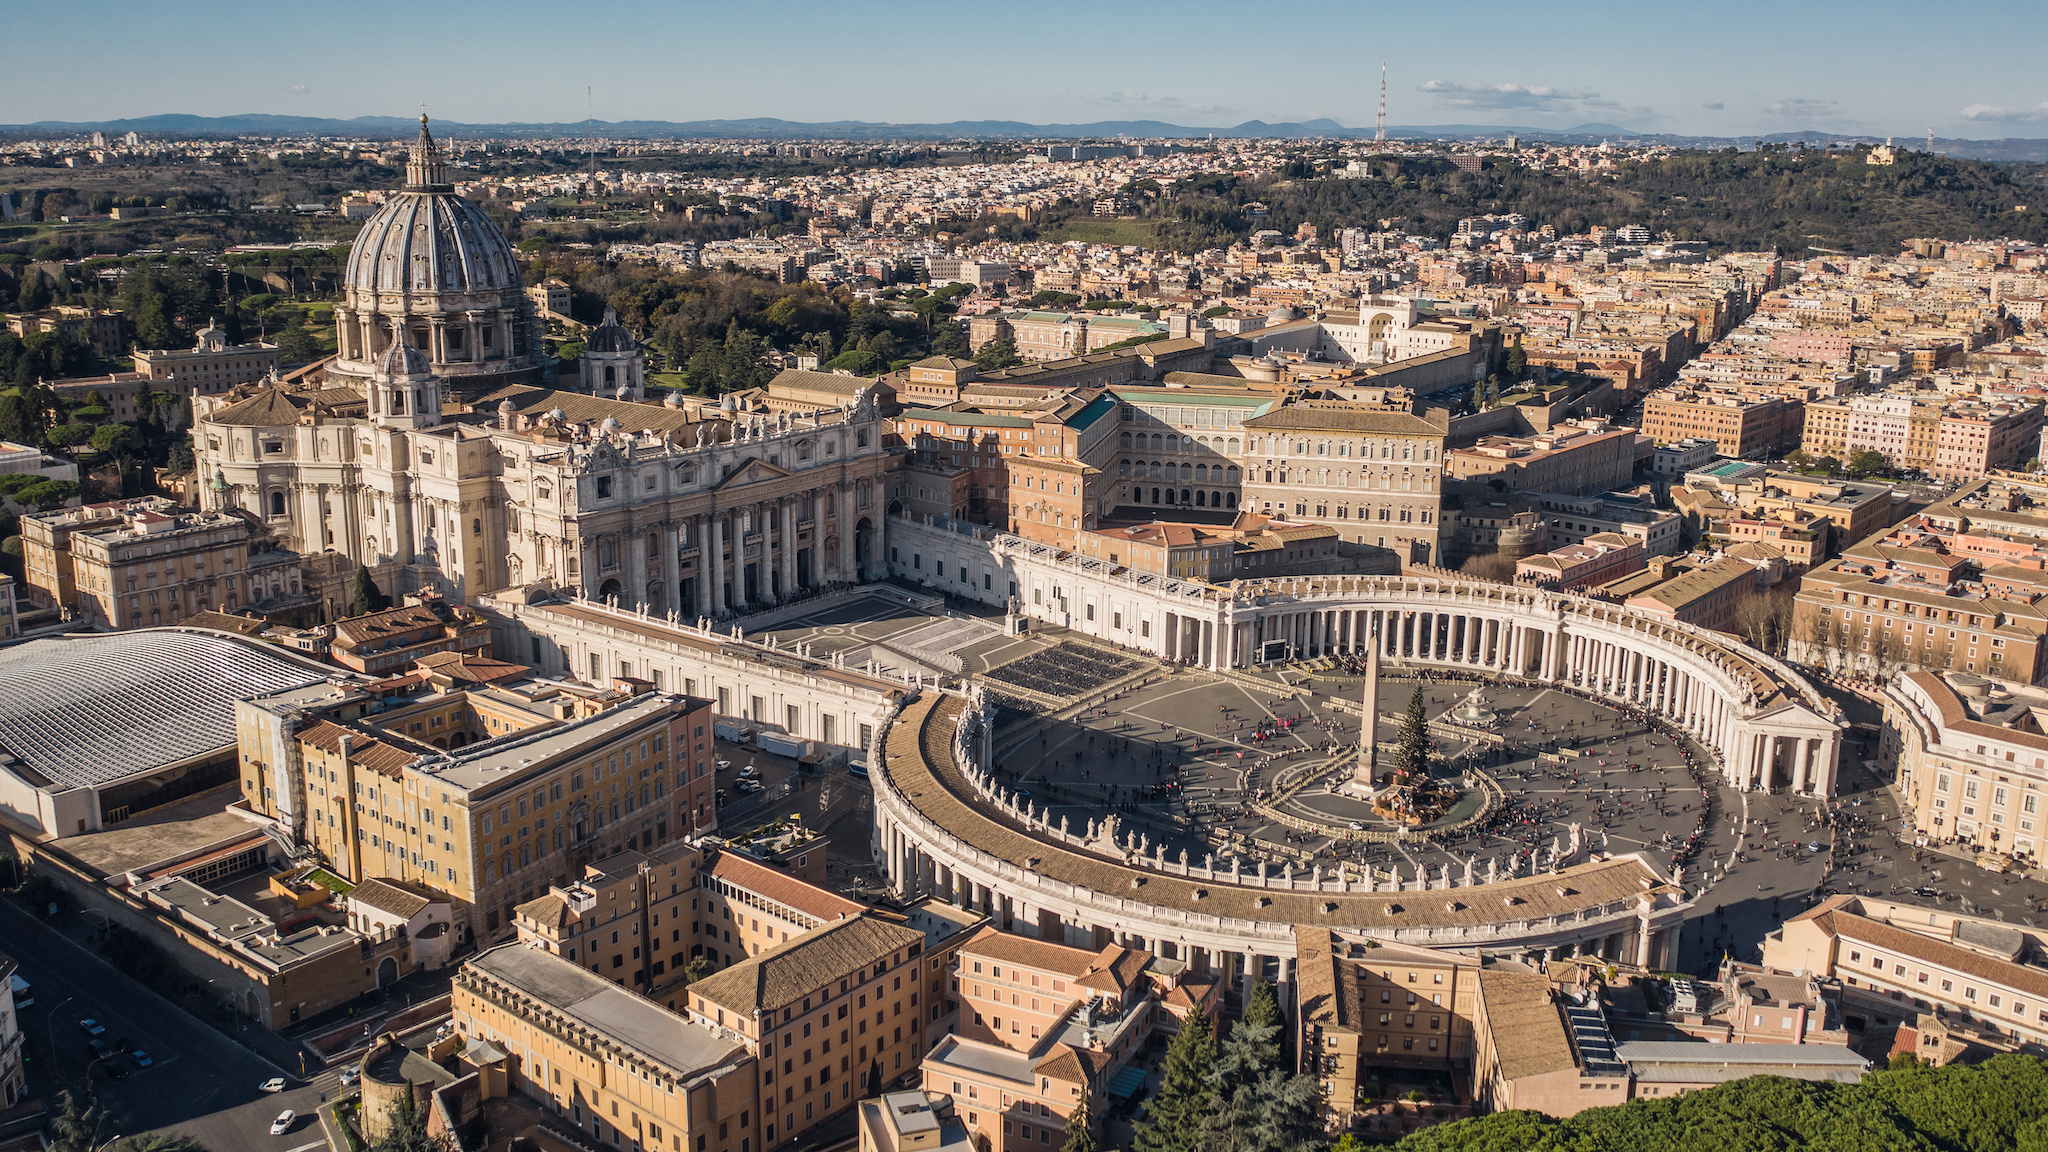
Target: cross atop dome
426,171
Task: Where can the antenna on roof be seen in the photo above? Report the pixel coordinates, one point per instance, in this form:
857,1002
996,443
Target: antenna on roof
1379,135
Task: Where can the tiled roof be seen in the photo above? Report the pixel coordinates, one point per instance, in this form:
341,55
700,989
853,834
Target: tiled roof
1337,416
394,896
359,630
1876,934
788,972
783,888
1528,1034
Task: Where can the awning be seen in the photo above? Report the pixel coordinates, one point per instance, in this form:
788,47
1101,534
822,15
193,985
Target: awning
1127,1082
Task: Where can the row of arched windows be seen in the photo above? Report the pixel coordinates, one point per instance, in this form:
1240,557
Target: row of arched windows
1195,497
1167,442
1167,470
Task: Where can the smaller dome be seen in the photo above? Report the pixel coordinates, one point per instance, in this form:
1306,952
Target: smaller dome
672,400
402,359
506,407
559,414
611,424
610,336
624,392
726,403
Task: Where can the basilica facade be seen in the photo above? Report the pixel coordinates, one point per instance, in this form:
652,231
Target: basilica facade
695,511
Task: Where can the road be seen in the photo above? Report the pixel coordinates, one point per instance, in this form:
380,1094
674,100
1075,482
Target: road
201,1082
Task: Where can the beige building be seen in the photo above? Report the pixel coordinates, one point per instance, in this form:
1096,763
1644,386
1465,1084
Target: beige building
1364,1014
1045,1028
1374,475
144,562
1972,769
620,1070
13,1081
489,793
211,366
821,1012
1568,459
1895,962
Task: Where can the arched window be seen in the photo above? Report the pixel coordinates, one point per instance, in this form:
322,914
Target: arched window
1202,473
1124,441
607,555
277,503
1230,474
1233,445
1202,498
1123,467
476,526
611,376
1155,495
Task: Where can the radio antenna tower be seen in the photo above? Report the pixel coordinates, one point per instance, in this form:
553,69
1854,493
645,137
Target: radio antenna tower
1379,135
1930,141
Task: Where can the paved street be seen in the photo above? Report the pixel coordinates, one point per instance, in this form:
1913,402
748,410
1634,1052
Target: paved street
197,1075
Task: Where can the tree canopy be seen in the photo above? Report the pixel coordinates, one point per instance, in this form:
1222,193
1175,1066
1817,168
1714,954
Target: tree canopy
2000,1105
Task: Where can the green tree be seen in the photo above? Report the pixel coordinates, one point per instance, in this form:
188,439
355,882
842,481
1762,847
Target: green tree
1263,1105
697,969
874,1084
69,435
1177,1119
73,1130
1516,363
405,1130
367,597
34,295
1412,757
297,345
882,344
1080,1130
1867,462
860,362
997,355
116,439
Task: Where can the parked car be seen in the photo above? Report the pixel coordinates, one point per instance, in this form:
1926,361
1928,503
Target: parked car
142,1059
749,772
274,1084
283,1123
92,1027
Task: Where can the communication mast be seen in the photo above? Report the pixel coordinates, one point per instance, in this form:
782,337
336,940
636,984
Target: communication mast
1379,135
1930,141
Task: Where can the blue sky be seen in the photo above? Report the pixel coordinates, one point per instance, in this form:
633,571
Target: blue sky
1734,68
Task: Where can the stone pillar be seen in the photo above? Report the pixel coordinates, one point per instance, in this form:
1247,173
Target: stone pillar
636,570
788,546
716,565
700,535
671,578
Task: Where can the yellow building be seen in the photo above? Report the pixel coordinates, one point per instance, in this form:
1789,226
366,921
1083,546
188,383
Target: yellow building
821,1012
146,562
489,795
627,1072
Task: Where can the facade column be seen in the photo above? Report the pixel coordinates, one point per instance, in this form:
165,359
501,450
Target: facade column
671,581
717,565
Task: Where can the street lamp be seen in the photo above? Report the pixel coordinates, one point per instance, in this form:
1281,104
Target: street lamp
53,1026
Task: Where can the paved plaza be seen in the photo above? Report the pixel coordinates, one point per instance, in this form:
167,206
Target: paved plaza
1179,756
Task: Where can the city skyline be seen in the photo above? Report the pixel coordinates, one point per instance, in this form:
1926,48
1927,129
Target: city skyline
1818,67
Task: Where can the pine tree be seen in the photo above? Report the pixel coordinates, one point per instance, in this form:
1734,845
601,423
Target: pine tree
1413,756
874,1086
1177,1119
1262,1106
1080,1130
368,597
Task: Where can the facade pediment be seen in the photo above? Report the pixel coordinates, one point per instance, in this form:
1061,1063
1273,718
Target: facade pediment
751,472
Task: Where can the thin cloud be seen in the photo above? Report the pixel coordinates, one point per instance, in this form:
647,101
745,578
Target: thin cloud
1803,108
1452,95
1132,98
1716,106
1992,112
300,88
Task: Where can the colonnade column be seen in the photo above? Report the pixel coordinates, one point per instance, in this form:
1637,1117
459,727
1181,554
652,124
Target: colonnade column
789,546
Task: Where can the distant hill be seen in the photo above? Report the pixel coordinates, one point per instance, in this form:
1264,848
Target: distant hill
768,127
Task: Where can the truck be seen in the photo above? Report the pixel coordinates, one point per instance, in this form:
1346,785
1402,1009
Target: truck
780,744
731,731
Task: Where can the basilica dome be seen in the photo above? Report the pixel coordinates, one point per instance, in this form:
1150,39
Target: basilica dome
431,270
438,243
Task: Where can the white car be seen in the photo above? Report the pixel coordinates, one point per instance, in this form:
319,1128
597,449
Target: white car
348,1077
749,772
274,1084
724,764
283,1123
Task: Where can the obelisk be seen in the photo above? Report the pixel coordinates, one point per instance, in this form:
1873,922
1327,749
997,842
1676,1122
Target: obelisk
1363,776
